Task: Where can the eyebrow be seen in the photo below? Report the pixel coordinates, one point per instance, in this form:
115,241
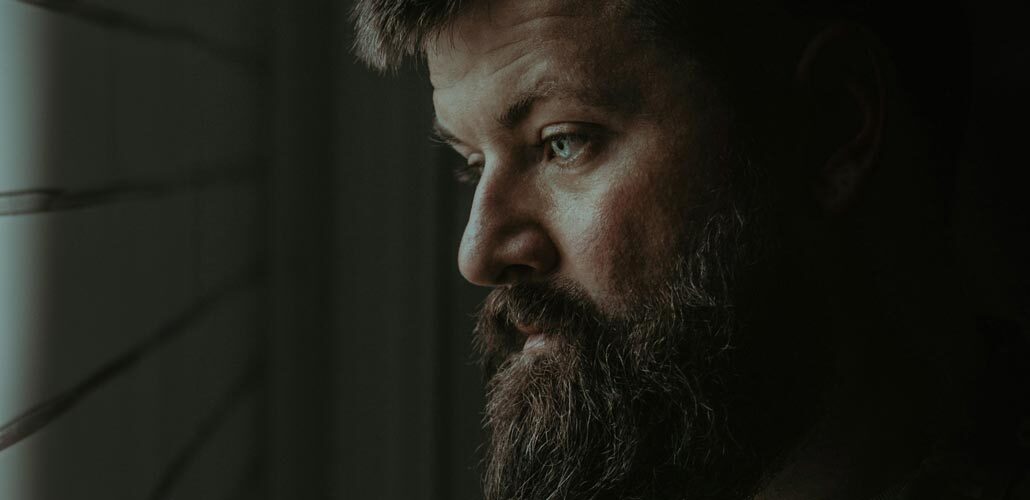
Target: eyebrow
439,133
604,97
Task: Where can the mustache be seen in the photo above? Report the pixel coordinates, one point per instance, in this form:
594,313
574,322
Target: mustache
557,308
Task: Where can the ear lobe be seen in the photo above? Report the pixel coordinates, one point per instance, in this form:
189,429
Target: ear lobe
841,71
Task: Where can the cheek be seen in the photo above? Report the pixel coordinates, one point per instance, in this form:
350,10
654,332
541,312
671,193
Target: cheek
622,237
644,236
626,230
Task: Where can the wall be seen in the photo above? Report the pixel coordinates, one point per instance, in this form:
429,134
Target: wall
132,281
227,261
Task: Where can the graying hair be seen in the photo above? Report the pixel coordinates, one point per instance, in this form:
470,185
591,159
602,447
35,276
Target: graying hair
388,31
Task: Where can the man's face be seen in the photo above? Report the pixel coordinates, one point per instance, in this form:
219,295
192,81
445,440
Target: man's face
607,217
583,148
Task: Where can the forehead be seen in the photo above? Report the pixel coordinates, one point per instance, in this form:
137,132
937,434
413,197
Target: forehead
492,34
500,50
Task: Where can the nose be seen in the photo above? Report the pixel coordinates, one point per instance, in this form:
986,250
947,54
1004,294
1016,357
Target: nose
506,239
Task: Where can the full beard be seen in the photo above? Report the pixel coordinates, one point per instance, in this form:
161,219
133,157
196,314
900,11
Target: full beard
633,404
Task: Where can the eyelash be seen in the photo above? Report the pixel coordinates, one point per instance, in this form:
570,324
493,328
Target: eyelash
469,173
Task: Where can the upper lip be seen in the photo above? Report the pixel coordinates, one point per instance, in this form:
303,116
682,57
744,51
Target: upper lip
532,334
529,329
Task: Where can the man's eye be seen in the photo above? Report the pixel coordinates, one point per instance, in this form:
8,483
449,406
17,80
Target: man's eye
469,173
565,148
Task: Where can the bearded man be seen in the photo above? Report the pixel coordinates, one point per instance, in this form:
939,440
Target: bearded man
715,243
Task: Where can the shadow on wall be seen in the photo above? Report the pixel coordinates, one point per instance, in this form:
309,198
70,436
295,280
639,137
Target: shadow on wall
130,185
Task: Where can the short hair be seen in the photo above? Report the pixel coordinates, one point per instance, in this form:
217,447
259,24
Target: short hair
388,31
735,41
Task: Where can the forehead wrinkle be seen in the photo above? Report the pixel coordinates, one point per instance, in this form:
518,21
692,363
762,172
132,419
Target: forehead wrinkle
473,38
467,34
601,96
523,12
509,62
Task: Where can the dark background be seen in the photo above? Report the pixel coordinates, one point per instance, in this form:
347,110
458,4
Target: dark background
228,253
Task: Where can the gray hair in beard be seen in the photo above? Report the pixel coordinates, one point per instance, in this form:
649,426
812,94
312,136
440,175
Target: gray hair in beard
630,405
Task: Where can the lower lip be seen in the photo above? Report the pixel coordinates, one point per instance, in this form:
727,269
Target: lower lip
536,341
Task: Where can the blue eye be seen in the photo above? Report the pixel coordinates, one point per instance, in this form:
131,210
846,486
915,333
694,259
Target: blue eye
566,147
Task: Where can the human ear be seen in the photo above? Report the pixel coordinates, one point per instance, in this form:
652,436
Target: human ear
840,75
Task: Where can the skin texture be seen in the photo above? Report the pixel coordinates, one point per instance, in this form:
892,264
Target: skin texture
600,220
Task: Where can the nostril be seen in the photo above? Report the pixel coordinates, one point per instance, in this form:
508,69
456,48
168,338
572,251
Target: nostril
515,273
